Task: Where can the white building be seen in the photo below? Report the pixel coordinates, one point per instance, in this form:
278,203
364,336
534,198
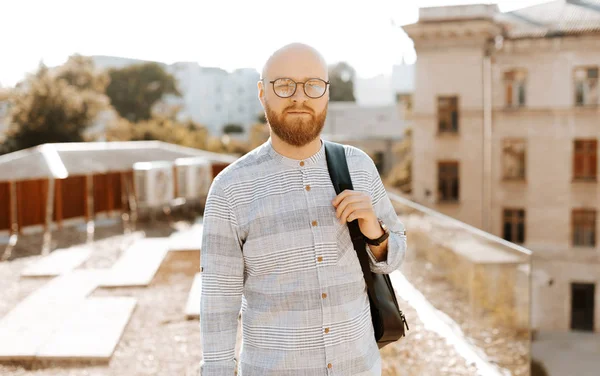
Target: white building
211,96
506,113
3,113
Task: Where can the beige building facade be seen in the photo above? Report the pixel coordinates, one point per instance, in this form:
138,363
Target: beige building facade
506,116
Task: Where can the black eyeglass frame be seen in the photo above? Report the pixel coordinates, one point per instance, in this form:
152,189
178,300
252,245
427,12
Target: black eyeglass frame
327,83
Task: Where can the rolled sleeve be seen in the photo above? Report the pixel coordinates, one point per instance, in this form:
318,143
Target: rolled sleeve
222,275
396,245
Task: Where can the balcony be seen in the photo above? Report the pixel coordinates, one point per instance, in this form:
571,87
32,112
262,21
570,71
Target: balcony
469,286
465,294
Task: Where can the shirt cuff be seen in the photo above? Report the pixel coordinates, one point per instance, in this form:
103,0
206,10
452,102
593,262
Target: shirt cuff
225,368
372,256
396,249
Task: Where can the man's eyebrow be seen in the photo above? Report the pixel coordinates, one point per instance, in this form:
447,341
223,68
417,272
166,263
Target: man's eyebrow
302,79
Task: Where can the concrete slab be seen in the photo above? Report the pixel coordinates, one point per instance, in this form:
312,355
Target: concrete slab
567,353
21,336
437,321
58,262
90,332
192,309
187,240
33,321
138,264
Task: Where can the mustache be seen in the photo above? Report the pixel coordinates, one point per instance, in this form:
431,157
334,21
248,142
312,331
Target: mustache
303,108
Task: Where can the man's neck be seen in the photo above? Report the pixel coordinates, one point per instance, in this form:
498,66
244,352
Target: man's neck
295,152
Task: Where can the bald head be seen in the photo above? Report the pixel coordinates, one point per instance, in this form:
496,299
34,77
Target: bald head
295,60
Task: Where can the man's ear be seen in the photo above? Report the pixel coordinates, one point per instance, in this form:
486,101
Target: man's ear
261,92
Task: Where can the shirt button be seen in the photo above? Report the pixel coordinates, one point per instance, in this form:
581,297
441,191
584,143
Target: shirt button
308,187
301,163
329,365
314,223
327,331
323,295
319,259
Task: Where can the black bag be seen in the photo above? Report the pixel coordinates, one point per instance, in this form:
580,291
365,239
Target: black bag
388,319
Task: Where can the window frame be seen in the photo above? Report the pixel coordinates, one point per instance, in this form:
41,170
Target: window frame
442,197
454,107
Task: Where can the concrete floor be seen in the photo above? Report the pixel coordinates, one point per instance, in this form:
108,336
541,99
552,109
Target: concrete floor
568,353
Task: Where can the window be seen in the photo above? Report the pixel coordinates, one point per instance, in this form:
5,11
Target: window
584,227
586,86
448,114
514,225
514,85
379,161
405,100
513,159
582,306
448,181
584,160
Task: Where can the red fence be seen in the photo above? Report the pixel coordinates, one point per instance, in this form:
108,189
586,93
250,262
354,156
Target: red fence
70,198
5,204
31,202
107,192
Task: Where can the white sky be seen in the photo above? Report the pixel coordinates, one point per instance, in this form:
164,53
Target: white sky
224,33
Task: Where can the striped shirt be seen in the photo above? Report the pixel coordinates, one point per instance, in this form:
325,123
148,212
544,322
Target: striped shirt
273,247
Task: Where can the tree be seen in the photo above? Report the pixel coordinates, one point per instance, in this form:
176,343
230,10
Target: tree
55,105
537,368
259,133
233,128
162,129
133,90
341,77
79,71
400,176
261,118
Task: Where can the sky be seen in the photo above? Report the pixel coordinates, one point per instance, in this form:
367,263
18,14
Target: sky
229,34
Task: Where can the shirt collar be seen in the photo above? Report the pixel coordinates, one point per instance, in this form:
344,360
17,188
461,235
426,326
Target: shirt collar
310,161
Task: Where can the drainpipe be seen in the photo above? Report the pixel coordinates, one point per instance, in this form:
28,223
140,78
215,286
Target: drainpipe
90,226
14,224
48,221
487,141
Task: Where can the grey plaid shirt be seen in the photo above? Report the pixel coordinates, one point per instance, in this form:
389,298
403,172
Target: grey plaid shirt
273,247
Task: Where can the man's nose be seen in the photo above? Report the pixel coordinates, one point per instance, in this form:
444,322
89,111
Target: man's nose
299,95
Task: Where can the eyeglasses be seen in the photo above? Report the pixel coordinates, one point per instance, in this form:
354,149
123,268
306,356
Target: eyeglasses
286,87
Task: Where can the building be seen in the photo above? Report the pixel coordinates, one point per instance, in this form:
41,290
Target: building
3,113
377,120
211,96
506,118
374,129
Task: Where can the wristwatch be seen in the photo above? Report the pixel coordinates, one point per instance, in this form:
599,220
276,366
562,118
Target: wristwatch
380,239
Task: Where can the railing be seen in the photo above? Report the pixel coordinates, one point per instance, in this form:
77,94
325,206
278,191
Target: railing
480,281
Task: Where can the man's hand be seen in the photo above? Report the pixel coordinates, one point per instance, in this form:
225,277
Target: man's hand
351,205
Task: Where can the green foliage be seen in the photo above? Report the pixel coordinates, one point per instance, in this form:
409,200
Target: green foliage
233,128
538,369
259,133
55,105
133,90
261,118
79,71
400,176
160,129
341,77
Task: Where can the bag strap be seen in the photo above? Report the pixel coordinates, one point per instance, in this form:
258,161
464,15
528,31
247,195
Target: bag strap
340,177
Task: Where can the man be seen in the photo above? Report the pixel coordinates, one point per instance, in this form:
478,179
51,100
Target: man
276,242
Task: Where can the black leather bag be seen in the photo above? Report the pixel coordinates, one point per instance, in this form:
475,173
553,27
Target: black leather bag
388,320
